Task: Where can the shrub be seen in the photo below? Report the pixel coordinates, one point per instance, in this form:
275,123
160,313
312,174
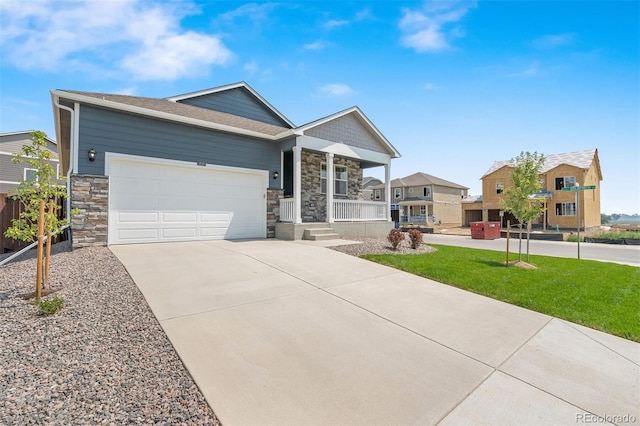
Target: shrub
395,237
50,306
416,238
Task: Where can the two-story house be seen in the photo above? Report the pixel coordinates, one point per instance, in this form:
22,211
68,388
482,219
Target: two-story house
567,170
422,198
12,174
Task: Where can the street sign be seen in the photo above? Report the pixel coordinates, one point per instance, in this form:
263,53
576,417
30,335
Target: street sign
578,188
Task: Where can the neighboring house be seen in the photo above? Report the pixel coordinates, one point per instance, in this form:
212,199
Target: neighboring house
422,198
580,168
367,183
220,163
12,174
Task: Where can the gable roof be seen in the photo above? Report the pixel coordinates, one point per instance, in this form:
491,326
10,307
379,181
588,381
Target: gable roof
420,179
28,134
175,111
368,180
240,84
364,120
580,159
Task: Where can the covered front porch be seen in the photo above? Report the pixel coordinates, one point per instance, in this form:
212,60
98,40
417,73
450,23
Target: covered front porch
417,212
322,173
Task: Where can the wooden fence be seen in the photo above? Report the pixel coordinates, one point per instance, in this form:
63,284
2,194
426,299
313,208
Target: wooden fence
11,209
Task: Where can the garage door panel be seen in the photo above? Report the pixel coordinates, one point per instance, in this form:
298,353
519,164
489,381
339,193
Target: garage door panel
182,217
161,201
179,233
137,235
138,217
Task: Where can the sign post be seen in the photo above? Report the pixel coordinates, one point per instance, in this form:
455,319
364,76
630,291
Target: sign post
578,188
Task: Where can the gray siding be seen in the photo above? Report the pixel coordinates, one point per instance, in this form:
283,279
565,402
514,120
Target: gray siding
13,172
349,131
238,101
112,131
14,143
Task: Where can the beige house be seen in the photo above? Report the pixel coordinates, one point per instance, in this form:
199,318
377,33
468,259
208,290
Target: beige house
422,198
581,168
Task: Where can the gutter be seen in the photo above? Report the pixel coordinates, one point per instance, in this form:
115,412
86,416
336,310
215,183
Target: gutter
72,150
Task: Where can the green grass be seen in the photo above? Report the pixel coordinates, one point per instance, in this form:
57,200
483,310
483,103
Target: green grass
599,295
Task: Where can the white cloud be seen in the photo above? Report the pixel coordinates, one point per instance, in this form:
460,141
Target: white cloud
532,70
336,90
430,86
142,38
553,40
335,23
428,29
318,45
251,67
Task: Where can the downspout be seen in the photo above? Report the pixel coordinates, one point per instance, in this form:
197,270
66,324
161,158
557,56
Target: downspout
72,149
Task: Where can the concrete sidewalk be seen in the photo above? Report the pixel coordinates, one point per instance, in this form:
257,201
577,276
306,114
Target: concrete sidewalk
277,332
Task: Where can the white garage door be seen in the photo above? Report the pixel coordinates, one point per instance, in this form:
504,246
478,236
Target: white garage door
154,200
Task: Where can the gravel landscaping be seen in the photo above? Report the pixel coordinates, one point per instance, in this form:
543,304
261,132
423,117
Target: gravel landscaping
381,246
103,359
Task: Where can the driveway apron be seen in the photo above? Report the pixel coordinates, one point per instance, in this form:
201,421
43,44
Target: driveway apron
277,332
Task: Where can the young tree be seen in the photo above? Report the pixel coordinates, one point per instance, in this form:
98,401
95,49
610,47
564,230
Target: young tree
525,179
32,194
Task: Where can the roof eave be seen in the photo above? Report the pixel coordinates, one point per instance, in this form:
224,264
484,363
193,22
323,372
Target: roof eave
162,115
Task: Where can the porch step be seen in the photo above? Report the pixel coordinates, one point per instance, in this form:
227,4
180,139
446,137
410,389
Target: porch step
318,234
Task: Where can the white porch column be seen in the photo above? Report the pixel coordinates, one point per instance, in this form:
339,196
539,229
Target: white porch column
297,184
330,188
387,189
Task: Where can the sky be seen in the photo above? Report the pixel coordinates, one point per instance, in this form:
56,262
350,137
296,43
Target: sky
453,85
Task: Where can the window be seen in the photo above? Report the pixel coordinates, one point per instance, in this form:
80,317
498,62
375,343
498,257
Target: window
30,174
339,178
423,210
565,209
323,178
426,191
397,193
410,190
376,194
565,182
499,187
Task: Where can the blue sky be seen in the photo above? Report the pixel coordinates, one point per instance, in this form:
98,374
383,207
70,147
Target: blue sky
453,85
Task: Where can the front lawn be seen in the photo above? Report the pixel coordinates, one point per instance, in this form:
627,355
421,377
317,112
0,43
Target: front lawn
603,296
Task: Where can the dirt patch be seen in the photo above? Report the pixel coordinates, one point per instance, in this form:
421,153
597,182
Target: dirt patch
523,265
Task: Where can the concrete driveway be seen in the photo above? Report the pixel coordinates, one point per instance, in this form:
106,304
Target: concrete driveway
277,332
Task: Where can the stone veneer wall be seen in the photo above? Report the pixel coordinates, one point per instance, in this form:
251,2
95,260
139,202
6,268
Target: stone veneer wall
273,210
90,196
314,203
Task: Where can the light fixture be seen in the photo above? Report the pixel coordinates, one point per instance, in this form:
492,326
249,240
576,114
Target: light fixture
92,154
276,174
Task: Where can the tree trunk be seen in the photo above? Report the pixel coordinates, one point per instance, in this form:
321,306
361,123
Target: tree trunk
520,242
528,238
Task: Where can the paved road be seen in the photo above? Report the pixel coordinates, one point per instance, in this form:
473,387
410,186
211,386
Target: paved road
629,255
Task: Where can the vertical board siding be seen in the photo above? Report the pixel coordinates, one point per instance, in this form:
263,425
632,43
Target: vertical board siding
112,131
239,102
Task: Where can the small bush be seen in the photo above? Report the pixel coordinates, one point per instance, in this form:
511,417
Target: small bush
395,237
50,306
416,238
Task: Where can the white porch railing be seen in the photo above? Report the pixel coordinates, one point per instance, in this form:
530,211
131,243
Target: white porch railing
343,210
356,210
286,209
